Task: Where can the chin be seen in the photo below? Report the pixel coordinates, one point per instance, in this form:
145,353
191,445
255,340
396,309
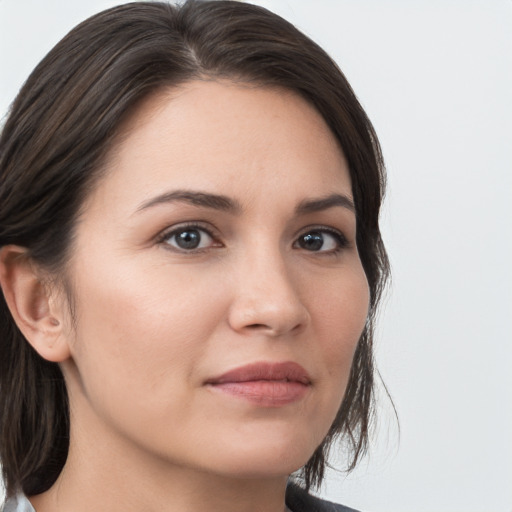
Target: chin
265,455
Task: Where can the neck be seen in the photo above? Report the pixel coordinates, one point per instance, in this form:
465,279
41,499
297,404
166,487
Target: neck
106,474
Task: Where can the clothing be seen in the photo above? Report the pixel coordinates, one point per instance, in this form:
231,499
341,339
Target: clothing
18,504
297,500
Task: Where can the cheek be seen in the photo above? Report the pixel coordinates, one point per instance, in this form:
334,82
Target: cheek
340,317
342,305
138,329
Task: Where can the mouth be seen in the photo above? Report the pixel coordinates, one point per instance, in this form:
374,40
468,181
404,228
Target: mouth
264,384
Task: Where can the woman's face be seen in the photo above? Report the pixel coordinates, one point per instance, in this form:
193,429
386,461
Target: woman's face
218,291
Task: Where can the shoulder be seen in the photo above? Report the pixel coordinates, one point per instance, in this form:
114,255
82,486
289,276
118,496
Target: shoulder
299,500
17,504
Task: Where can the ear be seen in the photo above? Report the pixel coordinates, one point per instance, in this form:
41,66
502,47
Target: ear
38,316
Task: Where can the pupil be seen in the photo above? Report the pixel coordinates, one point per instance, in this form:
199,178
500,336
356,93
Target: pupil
188,239
312,241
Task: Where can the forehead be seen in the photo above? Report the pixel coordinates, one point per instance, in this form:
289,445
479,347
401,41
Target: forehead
236,139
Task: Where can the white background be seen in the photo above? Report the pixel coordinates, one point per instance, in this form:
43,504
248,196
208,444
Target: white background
436,79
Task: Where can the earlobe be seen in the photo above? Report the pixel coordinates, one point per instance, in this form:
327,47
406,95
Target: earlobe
37,316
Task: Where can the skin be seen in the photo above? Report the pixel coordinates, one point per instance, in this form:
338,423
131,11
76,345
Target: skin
153,322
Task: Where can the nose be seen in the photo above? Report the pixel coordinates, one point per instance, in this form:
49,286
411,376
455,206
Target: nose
266,298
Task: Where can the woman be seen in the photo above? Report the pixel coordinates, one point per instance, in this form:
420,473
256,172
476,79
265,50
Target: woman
190,262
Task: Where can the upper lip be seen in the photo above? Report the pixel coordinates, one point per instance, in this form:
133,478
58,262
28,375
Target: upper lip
287,371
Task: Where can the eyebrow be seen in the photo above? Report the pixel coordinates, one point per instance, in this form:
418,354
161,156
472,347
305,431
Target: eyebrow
324,203
207,200
227,204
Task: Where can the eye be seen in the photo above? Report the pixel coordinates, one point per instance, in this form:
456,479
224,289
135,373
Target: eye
322,240
188,238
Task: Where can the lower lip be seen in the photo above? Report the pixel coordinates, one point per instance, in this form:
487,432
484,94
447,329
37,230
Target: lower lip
264,393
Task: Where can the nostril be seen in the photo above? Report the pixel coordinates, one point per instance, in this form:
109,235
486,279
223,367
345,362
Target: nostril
259,316
258,326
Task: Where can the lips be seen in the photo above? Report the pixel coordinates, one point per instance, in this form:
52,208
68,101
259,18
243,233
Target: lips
264,384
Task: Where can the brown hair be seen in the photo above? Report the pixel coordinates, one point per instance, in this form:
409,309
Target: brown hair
62,124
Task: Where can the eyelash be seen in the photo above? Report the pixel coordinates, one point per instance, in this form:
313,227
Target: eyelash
167,234
339,237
